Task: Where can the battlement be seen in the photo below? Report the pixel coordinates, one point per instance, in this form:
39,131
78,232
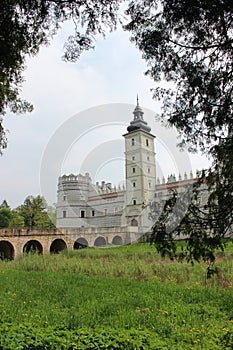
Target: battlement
172,178
74,178
107,187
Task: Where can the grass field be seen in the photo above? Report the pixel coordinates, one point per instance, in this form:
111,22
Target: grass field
119,298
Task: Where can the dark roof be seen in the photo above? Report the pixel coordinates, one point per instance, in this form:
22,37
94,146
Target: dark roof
138,123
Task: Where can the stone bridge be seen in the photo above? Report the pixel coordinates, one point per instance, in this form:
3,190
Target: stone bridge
17,241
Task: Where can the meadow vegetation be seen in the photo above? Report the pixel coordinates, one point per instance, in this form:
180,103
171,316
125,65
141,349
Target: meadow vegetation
119,298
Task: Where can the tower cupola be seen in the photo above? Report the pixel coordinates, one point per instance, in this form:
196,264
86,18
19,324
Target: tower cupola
138,123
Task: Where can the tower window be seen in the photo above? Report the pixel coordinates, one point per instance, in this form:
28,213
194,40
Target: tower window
105,211
132,142
92,213
64,198
134,170
134,222
133,158
134,184
149,184
134,202
147,142
82,213
64,214
148,158
148,170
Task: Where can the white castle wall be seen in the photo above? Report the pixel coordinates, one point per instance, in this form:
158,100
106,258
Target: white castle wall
82,204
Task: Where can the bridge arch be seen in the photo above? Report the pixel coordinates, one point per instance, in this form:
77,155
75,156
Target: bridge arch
80,243
33,246
57,246
7,251
100,242
117,240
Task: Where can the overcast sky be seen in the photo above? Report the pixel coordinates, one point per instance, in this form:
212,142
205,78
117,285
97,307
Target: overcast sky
61,93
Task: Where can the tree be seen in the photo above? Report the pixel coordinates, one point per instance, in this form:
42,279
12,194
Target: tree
187,228
190,46
9,218
26,25
5,217
17,220
34,213
5,204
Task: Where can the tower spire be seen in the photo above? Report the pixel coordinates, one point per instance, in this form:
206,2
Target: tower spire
138,123
138,112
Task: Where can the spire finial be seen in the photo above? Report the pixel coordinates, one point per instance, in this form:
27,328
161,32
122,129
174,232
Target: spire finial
137,101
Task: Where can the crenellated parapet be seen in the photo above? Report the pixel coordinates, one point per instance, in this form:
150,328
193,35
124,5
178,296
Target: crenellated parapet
173,179
66,180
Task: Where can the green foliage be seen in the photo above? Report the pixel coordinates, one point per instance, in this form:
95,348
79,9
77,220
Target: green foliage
137,262
27,336
34,213
5,217
76,300
200,215
190,45
4,204
27,25
10,218
17,220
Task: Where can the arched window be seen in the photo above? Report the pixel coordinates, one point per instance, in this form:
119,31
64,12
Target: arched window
147,142
132,142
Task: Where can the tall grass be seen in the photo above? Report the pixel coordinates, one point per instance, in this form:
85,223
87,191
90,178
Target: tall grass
138,262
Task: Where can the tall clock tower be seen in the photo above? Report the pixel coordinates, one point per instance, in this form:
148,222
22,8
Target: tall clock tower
139,166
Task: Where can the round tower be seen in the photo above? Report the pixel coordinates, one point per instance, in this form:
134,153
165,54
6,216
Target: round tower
72,197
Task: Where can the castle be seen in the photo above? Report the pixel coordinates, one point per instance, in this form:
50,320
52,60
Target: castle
82,204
